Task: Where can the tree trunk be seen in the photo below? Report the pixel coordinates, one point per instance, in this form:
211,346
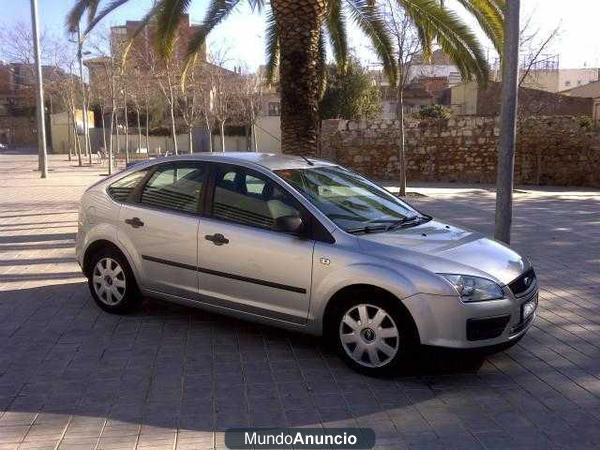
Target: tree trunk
190,139
77,142
508,122
223,136
117,143
247,137
126,114
254,137
209,129
139,130
147,131
69,135
103,128
110,143
173,128
299,26
401,144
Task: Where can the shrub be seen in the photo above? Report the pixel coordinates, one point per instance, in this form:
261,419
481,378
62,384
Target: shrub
585,122
434,112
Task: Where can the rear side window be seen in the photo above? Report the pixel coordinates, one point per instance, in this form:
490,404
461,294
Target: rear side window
121,189
177,188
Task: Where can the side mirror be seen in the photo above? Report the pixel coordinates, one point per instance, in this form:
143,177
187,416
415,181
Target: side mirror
288,224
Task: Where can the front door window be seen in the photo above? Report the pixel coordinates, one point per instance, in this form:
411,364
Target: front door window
251,199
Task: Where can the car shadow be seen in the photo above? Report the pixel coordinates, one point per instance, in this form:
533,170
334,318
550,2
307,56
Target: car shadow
169,366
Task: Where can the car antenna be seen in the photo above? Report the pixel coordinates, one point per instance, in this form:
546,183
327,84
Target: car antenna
308,161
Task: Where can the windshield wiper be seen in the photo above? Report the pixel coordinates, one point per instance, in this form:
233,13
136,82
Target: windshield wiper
367,229
413,220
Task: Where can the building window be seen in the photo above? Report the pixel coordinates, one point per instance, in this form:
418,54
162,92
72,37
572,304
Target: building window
567,83
274,109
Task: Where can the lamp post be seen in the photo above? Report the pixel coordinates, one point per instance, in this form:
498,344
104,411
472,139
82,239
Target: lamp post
508,122
41,120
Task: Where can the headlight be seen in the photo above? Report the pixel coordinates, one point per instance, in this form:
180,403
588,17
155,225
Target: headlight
474,289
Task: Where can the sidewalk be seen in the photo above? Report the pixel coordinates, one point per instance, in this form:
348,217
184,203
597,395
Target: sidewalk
72,376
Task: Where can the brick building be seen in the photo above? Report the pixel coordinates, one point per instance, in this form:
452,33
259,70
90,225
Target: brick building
17,101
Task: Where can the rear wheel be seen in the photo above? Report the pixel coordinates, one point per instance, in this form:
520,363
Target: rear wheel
111,282
373,335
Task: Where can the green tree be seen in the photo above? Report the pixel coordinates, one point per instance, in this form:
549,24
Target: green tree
297,34
350,94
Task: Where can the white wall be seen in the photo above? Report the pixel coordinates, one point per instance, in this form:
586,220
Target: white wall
268,134
570,78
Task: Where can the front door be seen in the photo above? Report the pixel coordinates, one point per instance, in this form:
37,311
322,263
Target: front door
242,263
162,225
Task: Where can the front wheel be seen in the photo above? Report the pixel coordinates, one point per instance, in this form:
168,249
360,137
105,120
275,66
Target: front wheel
111,282
373,336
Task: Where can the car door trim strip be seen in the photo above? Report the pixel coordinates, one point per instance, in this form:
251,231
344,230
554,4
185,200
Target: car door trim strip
231,276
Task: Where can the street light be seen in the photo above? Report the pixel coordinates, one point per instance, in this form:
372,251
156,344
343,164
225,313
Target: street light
41,120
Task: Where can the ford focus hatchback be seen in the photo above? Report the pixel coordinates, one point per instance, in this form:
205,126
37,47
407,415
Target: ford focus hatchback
302,244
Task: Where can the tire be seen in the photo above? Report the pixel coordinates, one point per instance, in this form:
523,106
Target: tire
378,348
111,282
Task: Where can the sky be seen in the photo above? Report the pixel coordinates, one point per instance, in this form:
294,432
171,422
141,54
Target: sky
241,35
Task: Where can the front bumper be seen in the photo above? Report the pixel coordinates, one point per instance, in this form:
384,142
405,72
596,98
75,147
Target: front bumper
445,321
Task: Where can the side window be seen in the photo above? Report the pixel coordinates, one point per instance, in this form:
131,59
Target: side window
251,199
120,190
177,188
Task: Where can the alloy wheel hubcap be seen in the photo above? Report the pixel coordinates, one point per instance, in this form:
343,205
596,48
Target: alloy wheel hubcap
109,281
369,335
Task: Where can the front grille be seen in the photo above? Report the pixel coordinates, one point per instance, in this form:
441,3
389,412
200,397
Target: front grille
488,328
521,285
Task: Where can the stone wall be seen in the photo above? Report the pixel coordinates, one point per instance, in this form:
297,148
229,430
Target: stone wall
551,150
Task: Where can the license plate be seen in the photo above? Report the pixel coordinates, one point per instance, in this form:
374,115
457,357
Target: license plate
528,308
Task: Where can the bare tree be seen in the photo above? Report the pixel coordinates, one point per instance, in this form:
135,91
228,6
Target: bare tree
167,75
70,92
195,99
249,103
222,102
406,46
535,46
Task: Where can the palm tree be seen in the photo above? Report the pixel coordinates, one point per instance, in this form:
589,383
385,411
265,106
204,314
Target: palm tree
297,34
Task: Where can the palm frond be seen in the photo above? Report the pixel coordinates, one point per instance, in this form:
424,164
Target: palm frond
168,16
336,30
426,41
370,20
76,13
217,12
490,19
92,9
452,34
103,13
142,25
272,47
257,5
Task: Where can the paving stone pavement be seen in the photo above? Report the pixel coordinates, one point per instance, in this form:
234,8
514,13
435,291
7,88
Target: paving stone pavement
72,376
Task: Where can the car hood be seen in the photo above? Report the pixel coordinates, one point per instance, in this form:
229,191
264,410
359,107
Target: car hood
444,248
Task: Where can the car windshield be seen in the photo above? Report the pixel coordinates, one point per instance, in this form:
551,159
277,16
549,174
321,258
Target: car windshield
352,202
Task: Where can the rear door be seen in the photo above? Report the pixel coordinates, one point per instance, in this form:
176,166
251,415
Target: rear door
242,263
162,225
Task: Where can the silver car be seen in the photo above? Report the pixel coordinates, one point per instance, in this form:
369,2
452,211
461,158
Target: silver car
302,244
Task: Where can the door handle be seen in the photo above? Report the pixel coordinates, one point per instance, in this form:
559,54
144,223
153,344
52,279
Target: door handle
135,222
217,239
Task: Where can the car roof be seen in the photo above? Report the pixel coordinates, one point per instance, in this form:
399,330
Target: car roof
270,161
